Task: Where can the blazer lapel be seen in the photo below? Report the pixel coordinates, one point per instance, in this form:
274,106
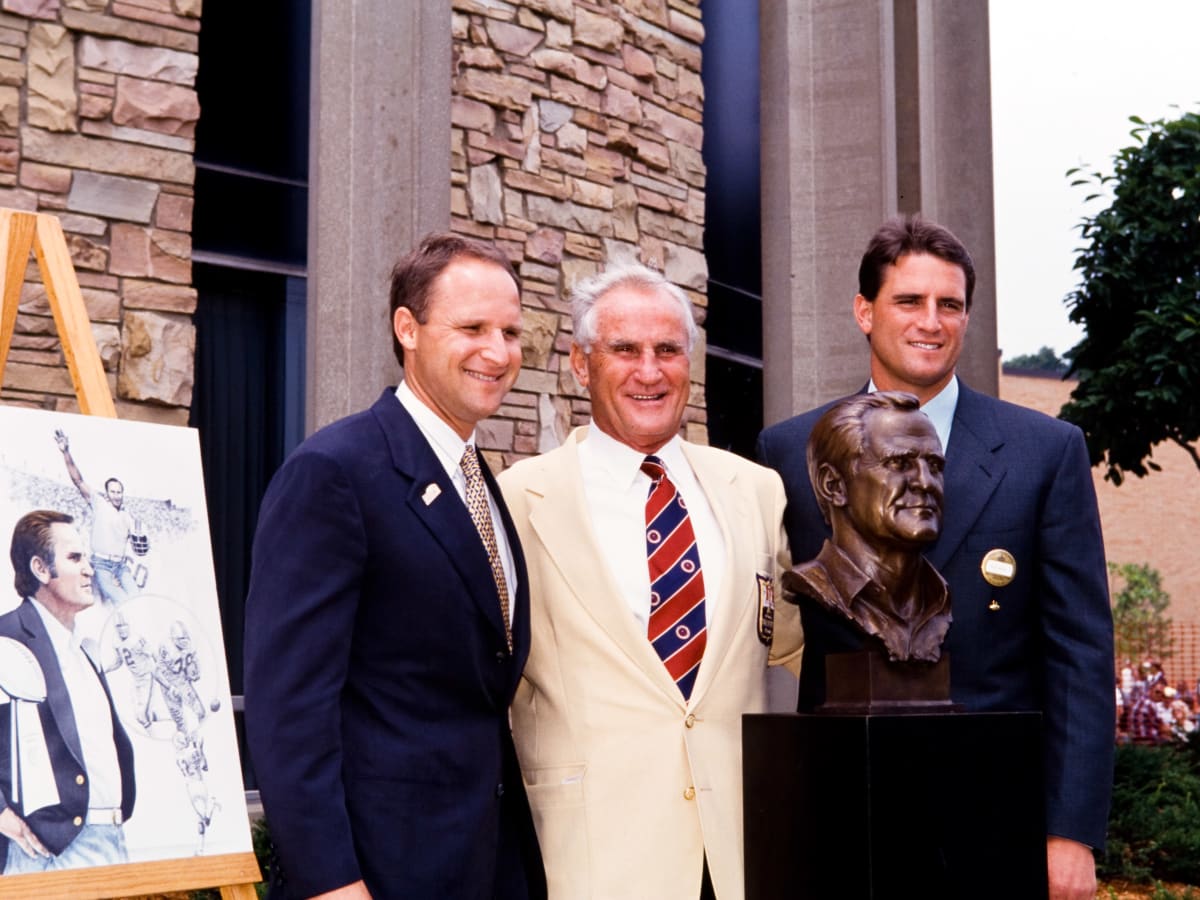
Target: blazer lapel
733,516
565,530
57,698
973,473
435,503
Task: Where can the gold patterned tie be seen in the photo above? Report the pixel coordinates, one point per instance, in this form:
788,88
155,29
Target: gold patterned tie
481,515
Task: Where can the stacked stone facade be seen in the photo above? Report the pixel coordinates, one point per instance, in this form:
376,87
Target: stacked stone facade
576,141
98,112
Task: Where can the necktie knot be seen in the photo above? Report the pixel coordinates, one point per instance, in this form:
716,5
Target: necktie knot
470,464
653,466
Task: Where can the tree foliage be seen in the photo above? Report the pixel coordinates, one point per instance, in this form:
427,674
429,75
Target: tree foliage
1139,301
1044,360
1141,628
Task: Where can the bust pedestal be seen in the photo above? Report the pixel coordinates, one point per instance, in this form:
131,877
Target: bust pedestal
938,806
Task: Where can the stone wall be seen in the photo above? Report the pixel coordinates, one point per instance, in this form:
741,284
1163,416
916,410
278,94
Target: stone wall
97,121
576,141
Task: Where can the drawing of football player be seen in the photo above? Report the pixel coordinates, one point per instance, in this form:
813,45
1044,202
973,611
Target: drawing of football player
177,670
114,529
133,653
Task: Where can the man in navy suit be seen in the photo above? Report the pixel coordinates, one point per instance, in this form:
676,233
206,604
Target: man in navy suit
384,637
1020,544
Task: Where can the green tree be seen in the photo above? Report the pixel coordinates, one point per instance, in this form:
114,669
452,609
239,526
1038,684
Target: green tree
1141,628
1045,360
1139,302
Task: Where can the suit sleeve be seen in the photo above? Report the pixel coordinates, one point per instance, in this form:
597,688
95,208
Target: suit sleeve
309,552
787,643
1077,631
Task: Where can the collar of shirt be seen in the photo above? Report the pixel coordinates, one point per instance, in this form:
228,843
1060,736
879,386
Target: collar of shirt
621,465
939,408
444,440
64,639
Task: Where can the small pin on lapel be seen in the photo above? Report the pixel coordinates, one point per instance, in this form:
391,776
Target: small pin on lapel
432,492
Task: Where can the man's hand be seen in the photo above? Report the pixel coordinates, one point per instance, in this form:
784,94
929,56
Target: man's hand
1072,869
356,891
13,826
60,438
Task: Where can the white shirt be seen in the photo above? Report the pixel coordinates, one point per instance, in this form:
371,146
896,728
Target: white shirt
110,527
940,409
449,449
93,715
616,489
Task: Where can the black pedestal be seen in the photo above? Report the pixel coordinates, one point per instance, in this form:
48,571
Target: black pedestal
942,807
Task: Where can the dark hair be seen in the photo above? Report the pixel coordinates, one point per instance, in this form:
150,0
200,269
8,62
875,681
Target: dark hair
110,481
32,537
416,272
903,235
839,434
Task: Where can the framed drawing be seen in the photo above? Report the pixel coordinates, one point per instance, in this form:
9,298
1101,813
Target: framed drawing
117,740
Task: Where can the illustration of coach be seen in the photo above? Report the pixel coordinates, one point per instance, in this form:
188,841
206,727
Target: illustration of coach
876,467
113,530
70,785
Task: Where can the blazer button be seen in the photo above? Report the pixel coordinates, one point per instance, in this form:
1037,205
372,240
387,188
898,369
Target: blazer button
690,721
77,821
501,655
500,790
690,793
79,779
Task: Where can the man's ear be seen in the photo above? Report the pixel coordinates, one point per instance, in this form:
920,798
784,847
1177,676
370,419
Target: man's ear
40,570
864,310
579,364
830,486
404,325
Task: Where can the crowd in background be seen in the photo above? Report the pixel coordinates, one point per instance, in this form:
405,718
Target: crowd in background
1149,709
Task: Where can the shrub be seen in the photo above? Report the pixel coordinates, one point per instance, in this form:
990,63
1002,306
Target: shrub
1154,827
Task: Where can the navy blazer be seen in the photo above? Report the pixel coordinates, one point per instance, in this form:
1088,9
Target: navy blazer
1020,481
378,677
55,825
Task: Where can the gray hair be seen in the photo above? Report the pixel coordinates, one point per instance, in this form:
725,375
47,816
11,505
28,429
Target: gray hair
588,292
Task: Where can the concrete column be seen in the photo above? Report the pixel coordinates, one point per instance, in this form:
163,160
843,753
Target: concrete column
956,160
868,109
379,178
828,164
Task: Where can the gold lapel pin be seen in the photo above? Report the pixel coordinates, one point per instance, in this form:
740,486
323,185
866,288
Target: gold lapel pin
998,567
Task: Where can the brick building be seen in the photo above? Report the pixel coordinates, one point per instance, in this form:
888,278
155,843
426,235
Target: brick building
1151,520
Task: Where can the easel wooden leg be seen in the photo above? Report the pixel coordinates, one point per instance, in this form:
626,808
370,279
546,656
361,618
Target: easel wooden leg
16,239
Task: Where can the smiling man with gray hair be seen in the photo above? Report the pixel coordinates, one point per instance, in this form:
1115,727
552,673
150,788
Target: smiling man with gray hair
653,568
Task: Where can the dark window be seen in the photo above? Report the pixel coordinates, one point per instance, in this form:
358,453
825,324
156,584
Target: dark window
732,236
249,264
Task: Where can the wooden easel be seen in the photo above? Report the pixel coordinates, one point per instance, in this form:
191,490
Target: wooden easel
235,873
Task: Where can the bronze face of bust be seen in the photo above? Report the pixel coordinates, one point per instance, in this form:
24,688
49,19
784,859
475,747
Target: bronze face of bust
876,467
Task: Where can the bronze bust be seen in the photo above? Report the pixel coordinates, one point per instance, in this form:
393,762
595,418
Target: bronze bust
876,465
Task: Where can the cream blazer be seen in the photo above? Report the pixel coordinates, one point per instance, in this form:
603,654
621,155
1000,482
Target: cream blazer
629,785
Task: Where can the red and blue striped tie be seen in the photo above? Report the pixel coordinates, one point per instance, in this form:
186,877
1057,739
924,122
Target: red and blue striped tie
677,627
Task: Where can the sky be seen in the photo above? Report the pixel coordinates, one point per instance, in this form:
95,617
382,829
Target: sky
1066,77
